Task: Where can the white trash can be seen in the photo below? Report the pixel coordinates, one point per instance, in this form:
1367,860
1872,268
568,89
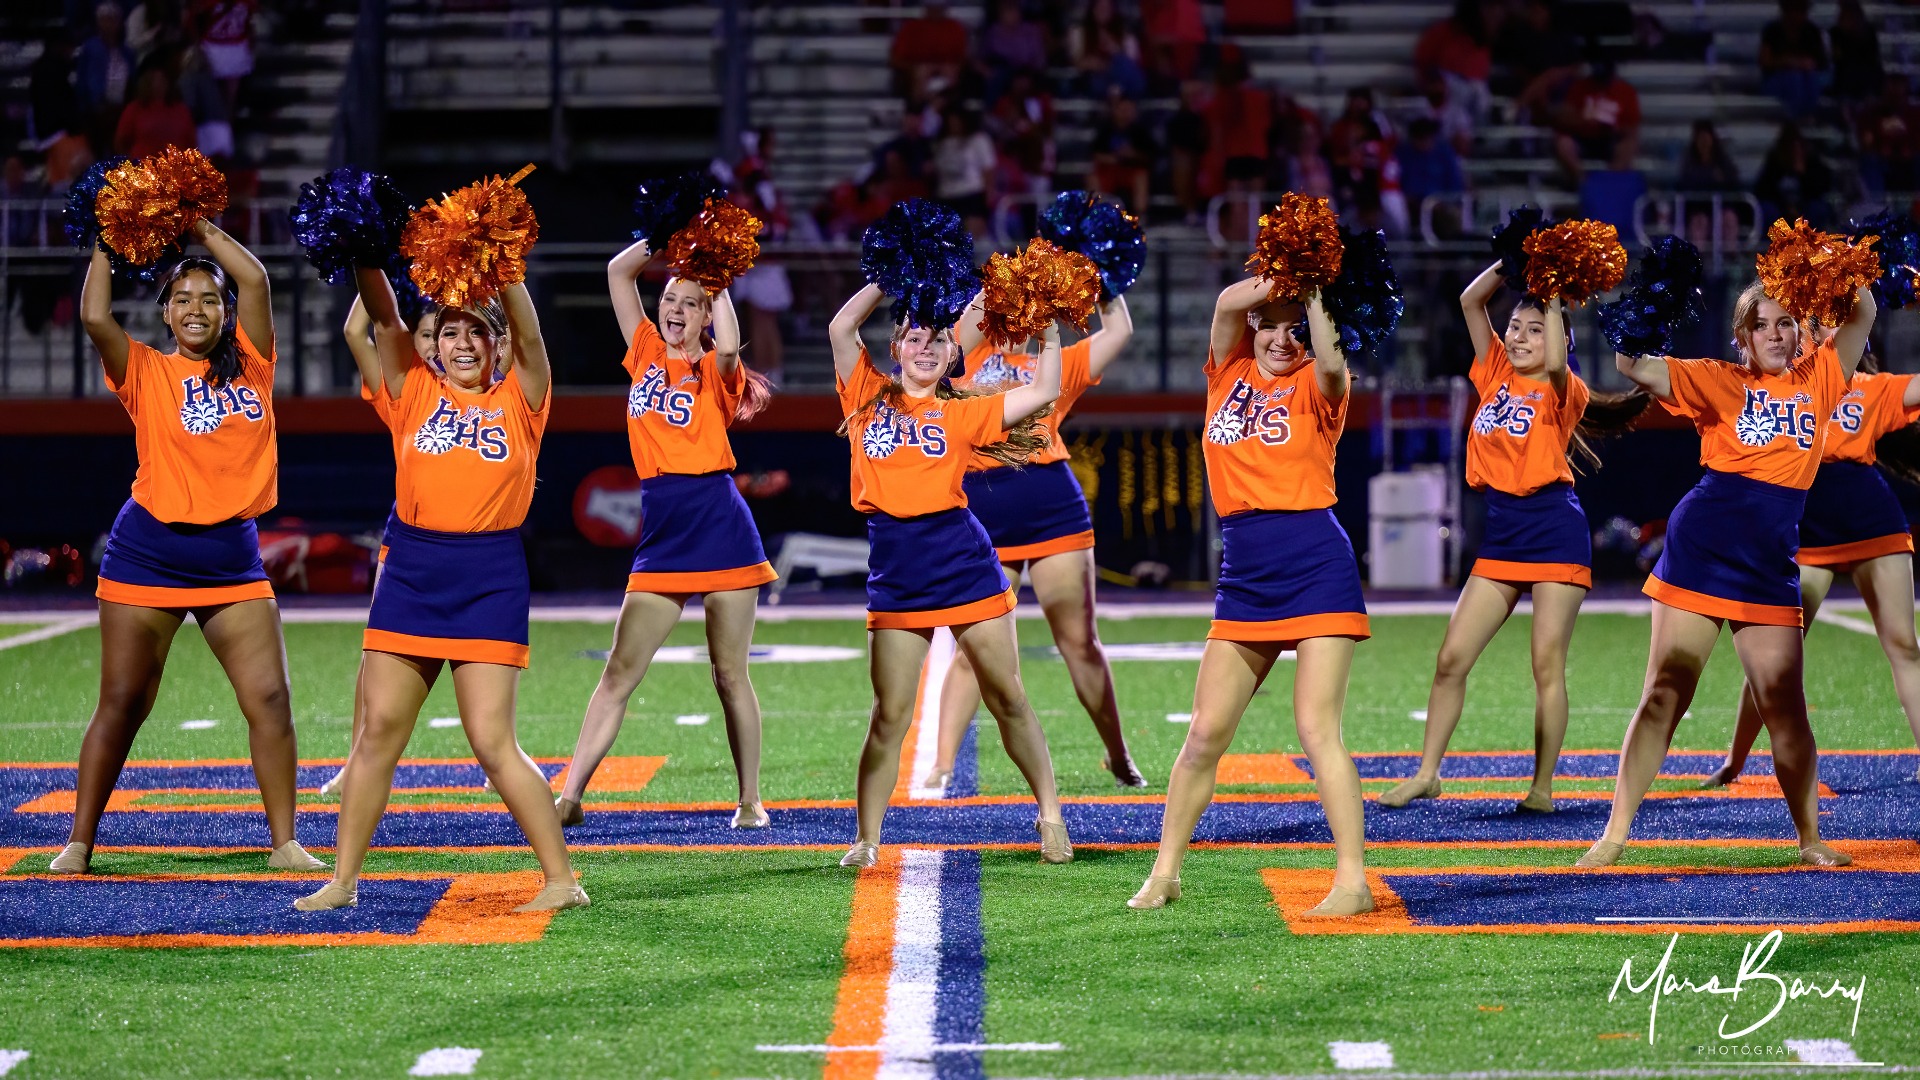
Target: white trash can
1404,510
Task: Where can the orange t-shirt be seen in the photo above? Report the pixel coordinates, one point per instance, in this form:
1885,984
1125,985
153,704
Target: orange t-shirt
465,459
909,454
992,370
1518,441
678,413
207,454
1270,440
1872,407
1770,428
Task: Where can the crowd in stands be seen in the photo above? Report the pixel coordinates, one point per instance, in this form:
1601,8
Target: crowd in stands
1176,117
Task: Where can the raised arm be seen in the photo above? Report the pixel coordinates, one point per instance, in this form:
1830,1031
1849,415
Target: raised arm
391,338
623,287
1851,339
1556,348
529,348
1649,372
844,331
1108,342
967,331
255,297
359,335
1473,305
1028,398
96,314
726,333
1329,363
1230,314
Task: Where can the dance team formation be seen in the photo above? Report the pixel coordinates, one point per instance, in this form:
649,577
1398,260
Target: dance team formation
959,469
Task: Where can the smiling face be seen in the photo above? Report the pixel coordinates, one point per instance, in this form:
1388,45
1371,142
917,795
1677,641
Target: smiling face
196,312
924,356
1770,339
684,310
1275,348
467,347
1526,339
424,339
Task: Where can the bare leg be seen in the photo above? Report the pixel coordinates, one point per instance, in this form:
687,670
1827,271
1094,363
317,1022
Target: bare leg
1815,581
1681,643
486,694
246,639
133,654
996,663
1230,672
396,688
645,621
730,618
1887,585
895,664
1064,585
1482,609
1556,606
1319,701
1773,660
959,701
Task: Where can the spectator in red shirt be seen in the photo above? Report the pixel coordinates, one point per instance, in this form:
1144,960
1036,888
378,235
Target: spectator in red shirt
931,46
155,119
1239,118
1601,119
1458,49
1022,125
1175,31
225,33
1360,146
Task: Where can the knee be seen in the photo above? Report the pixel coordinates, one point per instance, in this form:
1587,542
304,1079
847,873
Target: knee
384,727
121,701
1452,665
730,679
1005,700
1901,647
1320,735
1549,668
270,704
622,672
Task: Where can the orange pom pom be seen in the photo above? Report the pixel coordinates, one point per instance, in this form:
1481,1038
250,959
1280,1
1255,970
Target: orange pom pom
1814,274
465,247
146,205
718,245
1298,249
1026,291
1574,260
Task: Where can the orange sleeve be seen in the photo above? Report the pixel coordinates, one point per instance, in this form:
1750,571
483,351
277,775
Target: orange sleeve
727,388
647,345
1889,409
138,356
1490,368
1695,384
1076,369
536,414
251,357
859,388
979,421
1573,404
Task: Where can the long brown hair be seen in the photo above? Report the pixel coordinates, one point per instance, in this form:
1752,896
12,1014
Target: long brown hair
1024,439
1606,416
223,360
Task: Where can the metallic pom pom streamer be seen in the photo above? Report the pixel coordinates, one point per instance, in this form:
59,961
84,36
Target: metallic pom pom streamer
1574,261
1298,248
143,207
921,254
1365,302
1664,296
199,189
1899,255
718,245
1509,245
350,216
1814,274
664,205
82,223
1102,231
1024,292
466,246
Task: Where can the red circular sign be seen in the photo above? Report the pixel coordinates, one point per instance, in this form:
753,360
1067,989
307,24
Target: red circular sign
606,506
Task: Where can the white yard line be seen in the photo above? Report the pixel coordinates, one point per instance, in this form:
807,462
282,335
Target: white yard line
1845,622
10,1058
1361,1055
926,743
446,1061
61,625
907,1039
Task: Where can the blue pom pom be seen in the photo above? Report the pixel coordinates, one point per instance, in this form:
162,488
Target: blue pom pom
407,296
1662,296
1507,245
1365,302
83,227
1102,231
1899,249
665,204
350,217
921,254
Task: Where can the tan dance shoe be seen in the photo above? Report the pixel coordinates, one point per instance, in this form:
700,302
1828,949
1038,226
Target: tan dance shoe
331,895
1536,802
1819,854
332,786
862,853
1054,845
1342,902
75,858
1603,853
1406,791
291,856
569,811
938,779
751,816
1158,892
556,896
1127,775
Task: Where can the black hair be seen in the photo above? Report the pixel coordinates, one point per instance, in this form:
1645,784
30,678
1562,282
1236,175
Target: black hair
223,360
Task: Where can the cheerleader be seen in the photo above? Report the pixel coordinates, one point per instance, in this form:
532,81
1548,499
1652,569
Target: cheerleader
1037,518
1854,525
932,563
1730,545
1288,578
453,589
1536,535
696,533
185,542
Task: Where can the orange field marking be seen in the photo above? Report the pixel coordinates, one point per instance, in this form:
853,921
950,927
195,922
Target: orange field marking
1261,769
859,1008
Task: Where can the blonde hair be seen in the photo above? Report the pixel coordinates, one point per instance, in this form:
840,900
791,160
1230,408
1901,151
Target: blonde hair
1746,312
1023,440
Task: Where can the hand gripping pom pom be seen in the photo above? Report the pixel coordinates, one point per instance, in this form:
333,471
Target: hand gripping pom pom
718,245
1365,302
350,216
1663,297
1298,249
664,205
921,254
468,245
1574,261
1814,274
143,207
1899,255
1082,221
1022,293
1509,245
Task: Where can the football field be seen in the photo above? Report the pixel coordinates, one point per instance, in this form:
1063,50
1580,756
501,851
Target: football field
709,952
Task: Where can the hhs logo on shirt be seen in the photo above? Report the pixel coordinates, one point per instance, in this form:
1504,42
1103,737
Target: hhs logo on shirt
1505,413
1852,413
651,395
205,406
1765,418
1247,412
994,371
890,430
474,428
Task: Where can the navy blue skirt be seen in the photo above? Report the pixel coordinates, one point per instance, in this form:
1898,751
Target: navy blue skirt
151,563
1030,512
1729,552
1851,516
935,570
696,536
451,596
1542,536
1287,575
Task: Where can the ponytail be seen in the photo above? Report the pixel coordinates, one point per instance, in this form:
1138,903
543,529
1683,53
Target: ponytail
1606,416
